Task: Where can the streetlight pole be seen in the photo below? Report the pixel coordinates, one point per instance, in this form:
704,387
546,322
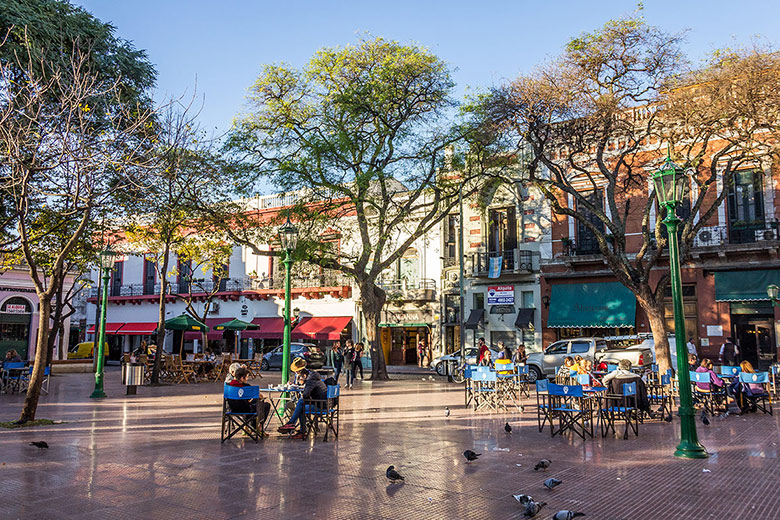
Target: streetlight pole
107,259
288,236
669,187
461,284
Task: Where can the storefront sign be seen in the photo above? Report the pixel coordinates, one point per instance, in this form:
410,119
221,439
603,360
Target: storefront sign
501,295
502,309
17,289
714,330
16,309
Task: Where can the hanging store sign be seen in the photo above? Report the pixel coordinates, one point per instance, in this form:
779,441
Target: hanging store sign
16,309
502,309
501,295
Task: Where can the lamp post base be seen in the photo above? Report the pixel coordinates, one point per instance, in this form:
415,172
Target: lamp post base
98,394
689,450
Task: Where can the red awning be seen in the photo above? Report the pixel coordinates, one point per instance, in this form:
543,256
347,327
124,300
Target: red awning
211,334
138,329
111,328
270,327
321,327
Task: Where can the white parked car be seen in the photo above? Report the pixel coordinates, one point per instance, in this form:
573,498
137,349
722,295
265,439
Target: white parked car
440,366
650,343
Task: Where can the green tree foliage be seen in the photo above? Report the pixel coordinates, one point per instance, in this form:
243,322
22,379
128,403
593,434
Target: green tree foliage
359,135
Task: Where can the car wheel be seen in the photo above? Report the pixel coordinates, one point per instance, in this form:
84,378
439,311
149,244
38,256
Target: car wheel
534,374
264,365
440,369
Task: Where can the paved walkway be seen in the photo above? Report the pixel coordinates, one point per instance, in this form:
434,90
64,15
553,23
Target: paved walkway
158,455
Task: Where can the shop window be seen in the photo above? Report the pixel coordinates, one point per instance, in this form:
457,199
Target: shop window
479,300
507,336
527,299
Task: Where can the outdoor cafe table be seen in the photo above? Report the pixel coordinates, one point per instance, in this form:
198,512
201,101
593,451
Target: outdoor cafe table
275,397
12,378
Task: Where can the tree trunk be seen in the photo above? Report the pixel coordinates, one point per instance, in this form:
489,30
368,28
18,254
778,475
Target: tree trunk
655,315
41,350
373,299
161,317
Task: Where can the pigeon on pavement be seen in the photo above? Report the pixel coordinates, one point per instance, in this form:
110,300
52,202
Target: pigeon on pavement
393,475
533,508
446,411
668,417
41,445
542,464
470,455
507,428
704,419
552,482
566,515
523,499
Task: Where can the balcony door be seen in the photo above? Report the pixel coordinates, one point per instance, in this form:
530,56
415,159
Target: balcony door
746,206
116,279
149,276
502,235
586,243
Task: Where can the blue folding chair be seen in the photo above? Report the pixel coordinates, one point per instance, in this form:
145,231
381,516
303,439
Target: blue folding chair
323,412
44,383
620,407
729,371
572,408
774,370
248,419
611,368
542,403
710,397
486,393
521,377
761,400
583,379
14,376
468,373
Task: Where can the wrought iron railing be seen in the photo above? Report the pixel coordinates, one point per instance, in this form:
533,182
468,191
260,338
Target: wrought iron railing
512,261
737,233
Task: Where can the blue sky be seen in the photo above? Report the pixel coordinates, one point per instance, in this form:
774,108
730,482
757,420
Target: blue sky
223,44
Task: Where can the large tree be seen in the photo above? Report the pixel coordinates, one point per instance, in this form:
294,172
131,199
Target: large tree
600,117
359,134
74,111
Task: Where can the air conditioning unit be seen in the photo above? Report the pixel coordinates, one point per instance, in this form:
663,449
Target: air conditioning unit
763,235
214,309
707,236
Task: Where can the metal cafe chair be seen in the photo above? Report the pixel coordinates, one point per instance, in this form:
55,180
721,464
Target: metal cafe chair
763,400
234,422
660,394
774,371
323,412
710,398
468,386
572,408
542,403
620,407
507,379
521,380
486,393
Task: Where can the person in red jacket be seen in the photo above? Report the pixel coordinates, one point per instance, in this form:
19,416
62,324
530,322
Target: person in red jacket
482,349
244,405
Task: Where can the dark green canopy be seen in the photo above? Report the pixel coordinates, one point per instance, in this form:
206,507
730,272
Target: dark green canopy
185,322
235,324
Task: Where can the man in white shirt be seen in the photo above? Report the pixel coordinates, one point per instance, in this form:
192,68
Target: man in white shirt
692,347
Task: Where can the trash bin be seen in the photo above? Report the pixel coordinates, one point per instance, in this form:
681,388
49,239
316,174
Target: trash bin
132,376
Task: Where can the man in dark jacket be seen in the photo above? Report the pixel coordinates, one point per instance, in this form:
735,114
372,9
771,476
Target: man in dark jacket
313,390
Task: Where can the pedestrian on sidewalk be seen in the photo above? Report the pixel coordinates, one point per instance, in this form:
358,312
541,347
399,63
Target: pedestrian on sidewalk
729,352
349,362
482,349
519,357
337,359
359,348
420,353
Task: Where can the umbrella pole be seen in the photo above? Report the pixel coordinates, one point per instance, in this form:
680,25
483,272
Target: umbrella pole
181,344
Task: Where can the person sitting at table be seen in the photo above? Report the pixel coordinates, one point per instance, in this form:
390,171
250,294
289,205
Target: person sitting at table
742,391
586,368
566,368
313,389
615,380
576,366
232,372
486,361
12,357
623,371
706,366
520,356
247,405
692,364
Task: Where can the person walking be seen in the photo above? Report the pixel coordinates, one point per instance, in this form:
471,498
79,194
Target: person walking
519,357
482,349
359,348
337,359
692,347
729,353
349,362
420,353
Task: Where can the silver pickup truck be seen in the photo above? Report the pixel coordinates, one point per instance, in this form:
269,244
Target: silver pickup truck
546,364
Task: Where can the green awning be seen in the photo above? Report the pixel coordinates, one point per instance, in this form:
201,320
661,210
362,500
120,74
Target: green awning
741,286
605,304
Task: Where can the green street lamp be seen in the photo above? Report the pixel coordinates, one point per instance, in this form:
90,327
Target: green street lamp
773,292
288,236
670,184
107,260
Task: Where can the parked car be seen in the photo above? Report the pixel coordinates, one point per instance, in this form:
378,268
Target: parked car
85,350
439,364
547,363
313,356
648,343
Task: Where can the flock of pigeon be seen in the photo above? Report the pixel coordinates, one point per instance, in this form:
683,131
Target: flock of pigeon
531,507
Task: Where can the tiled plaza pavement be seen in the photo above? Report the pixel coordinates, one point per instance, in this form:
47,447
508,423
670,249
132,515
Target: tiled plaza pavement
158,455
